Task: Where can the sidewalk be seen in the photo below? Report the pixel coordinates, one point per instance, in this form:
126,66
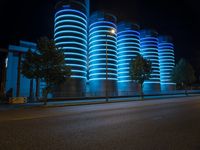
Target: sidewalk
5,107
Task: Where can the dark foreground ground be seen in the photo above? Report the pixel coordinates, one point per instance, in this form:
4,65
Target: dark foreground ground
167,124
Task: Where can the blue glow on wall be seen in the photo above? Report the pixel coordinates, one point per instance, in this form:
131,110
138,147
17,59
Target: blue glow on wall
128,42
12,69
149,50
167,60
100,39
70,33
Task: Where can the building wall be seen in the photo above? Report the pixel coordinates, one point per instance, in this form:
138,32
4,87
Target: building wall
149,50
70,34
167,62
128,45
12,69
102,54
98,58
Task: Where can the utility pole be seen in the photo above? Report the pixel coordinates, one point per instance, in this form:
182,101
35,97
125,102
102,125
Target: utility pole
112,32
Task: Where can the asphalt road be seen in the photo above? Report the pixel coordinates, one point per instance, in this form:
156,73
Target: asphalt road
167,124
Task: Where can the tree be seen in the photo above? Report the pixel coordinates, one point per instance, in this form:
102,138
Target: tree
48,64
183,74
31,70
140,70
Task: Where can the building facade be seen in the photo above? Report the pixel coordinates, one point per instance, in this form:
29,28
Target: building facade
16,83
100,61
70,34
167,62
149,50
128,45
99,58
102,54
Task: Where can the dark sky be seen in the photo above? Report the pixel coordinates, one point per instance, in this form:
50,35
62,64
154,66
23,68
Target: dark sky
30,19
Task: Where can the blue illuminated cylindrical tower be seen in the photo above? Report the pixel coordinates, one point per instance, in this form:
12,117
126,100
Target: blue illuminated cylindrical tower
149,50
128,44
70,34
167,62
102,54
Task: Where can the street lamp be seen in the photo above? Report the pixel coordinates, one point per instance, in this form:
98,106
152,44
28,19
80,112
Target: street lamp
111,32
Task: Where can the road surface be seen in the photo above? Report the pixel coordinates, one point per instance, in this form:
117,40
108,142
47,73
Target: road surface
167,124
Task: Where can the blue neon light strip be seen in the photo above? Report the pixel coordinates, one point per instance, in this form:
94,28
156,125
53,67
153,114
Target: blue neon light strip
99,27
71,37
70,34
99,35
100,31
68,12
77,54
96,74
70,26
95,55
68,22
76,43
167,62
98,45
102,40
149,50
128,39
102,23
74,59
104,59
102,50
69,15
104,64
97,79
75,49
128,48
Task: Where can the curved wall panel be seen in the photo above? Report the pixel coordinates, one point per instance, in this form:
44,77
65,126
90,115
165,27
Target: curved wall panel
102,54
149,50
70,34
167,62
128,44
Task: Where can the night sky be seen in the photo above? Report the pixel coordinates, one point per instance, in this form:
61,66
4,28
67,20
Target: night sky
31,19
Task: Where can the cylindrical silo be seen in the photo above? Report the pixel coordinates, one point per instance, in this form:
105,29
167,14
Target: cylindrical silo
102,54
167,62
149,50
70,34
128,44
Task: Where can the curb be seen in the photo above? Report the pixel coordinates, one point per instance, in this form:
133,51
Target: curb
74,103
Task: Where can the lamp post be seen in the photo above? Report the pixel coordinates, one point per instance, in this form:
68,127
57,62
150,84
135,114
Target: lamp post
112,32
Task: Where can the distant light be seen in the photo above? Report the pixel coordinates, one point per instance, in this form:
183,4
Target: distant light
113,31
6,62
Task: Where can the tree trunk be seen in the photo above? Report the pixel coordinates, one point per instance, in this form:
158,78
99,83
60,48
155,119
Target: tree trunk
31,90
186,92
141,91
45,100
46,92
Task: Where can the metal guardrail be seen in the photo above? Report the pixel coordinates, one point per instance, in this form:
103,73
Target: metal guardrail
101,95
88,96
